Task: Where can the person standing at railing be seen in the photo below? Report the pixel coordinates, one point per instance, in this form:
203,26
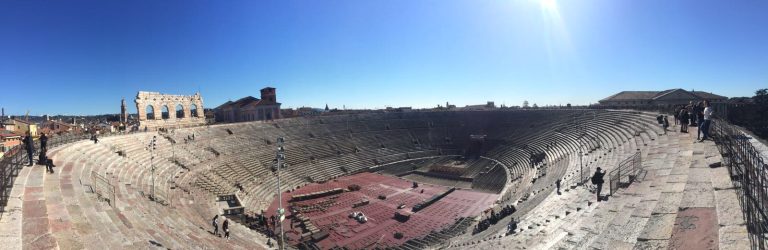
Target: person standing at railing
30,146
43,143
707,121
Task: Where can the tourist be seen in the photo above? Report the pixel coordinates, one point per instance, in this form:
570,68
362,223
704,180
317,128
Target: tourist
215,225
666,124
691,114
707,117
683,121
43,142
225,227
597,179
28,142
557,183
676,114
699,119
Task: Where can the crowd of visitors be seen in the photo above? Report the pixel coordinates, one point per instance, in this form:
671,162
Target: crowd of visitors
494,218
697,115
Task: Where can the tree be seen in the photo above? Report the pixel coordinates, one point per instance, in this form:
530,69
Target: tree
525,104
535,106
761,96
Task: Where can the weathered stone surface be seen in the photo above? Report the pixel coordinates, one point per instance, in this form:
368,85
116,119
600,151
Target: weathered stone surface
659,227
674,188
695,228
677,178
733,237
698,194
669,203
699,175
651,244
728,208
720,178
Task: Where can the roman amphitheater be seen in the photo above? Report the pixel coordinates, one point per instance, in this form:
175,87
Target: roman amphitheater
403,180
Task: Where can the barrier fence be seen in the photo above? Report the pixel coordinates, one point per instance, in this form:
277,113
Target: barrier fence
100,186
625,173
15,158
749,174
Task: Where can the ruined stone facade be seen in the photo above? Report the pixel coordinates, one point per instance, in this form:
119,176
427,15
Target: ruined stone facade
157,110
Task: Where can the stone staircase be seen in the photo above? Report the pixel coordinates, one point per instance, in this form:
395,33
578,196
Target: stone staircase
60,211
684,201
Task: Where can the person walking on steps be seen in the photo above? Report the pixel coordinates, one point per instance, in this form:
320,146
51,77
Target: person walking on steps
597,179
225,227
215,224
29,146
665,124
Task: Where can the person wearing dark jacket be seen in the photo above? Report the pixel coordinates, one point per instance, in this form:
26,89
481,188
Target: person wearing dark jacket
30,147
597,179
225,227
683,121
43,143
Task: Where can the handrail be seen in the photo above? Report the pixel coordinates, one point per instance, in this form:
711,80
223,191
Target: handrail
749,174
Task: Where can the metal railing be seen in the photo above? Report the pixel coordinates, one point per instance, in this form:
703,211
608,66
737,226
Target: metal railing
16,158
103,189
625,173
749,174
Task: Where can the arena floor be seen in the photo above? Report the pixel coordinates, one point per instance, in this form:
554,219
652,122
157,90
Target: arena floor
381,226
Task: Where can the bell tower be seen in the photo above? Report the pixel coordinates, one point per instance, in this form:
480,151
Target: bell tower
269,95
123,112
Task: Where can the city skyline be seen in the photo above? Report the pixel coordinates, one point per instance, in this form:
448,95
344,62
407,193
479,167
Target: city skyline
82,57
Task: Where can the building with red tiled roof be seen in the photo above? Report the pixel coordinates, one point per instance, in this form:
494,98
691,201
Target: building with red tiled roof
8,139
659,98
250,108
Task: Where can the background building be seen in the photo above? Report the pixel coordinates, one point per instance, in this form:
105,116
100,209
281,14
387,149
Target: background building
670,97
250,108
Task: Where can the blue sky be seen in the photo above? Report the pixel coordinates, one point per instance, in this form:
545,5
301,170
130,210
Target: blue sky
81,57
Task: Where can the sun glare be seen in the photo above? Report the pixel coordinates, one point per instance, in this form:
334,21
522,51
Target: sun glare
549,5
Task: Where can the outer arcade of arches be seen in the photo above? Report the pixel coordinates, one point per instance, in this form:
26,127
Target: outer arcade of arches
157,110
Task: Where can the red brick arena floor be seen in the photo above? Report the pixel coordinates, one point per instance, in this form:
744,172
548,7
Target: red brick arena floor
381,226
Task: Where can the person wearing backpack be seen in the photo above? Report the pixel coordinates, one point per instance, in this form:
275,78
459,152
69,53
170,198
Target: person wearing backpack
597,179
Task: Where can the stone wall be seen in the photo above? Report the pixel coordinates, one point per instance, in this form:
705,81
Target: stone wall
191,114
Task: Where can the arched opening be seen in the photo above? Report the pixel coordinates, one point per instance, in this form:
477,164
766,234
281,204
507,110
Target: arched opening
179,111
165,113
193,111
150,112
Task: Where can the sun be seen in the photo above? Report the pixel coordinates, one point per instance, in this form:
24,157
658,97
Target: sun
548,5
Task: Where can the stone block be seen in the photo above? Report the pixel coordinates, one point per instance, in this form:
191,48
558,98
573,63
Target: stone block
674,188
699,175
651,244
720,178
698,194
677,178
733,238
659,227
668,203
728,208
